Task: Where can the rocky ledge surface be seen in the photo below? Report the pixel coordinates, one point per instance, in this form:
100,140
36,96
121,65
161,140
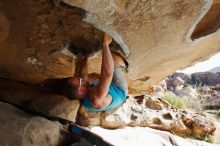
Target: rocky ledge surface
144,110
18,128
149,111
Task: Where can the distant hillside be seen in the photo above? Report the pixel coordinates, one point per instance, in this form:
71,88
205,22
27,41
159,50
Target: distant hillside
216,69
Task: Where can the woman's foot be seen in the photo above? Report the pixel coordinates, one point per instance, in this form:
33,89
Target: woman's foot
119,61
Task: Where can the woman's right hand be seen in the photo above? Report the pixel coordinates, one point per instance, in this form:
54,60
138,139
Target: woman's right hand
107,39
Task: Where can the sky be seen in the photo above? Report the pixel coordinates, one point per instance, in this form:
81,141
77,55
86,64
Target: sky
212,64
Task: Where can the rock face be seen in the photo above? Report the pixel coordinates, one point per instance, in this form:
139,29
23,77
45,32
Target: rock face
155,36
148,29
38,39
209,23
21,129
206,78
144,111
203,85
33,98
198,91
151,112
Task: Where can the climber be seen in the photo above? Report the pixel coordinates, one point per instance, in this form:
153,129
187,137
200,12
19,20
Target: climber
106,93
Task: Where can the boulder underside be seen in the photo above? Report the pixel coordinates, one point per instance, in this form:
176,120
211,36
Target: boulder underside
38,39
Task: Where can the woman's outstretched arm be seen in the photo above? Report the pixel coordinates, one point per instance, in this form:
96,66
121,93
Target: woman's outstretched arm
84,67
107,69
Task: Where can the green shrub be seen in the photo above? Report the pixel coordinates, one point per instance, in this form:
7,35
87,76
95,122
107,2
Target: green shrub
183,102
176,101
207,138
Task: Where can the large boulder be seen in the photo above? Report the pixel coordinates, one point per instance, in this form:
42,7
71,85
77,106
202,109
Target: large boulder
210,98
177,79
38,38
32,97
206,78
21,129
147,111
150,32
137,111
204,86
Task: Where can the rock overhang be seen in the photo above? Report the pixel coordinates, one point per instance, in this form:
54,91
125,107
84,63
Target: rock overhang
155,36
39,39
155,33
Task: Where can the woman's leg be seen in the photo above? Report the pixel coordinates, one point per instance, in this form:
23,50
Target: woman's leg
118,78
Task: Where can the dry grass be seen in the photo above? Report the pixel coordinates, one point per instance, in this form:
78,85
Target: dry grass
183,102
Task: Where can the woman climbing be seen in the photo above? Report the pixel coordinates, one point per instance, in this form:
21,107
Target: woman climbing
106,93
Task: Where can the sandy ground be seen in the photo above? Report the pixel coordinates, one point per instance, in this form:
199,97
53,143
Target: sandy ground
217,133
141,136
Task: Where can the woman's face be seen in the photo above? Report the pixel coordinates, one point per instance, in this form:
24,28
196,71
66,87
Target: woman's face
81,87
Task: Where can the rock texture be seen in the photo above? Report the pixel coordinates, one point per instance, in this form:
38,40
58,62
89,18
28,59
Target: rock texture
197,92
21,129
146,111
210,22
204,86
39,40
206,78
36,36
157,34
33,98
